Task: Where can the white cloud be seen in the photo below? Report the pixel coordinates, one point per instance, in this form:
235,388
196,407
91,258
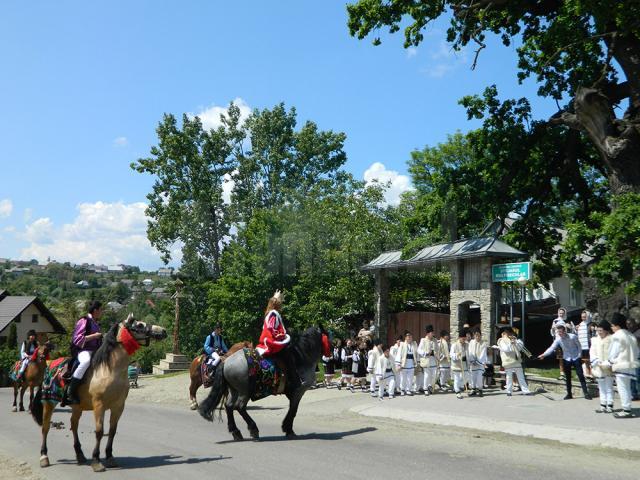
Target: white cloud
28,212
101,233
412,52
120,142
210,117
6,208
9,229
397,184
444,60
227,187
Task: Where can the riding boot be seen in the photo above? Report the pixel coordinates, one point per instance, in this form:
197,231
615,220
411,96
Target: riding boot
72,391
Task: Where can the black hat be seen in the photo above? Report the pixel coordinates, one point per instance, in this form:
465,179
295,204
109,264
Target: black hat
605,325
31,332
619,320
428,329
463,332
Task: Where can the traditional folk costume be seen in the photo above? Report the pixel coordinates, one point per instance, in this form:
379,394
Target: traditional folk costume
385,375
346,356
477,362
428,351
27,349
274,336
329,369
459,354
359,366
623,356
445,363
372,361
406,357
512,363
601,369
393,353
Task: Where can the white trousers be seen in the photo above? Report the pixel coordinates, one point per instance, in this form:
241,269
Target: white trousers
429,377
374,381
459,379
476,379
521,380
623,381
84,358
214,359
406,380
445,375
605,388
23,366
389,382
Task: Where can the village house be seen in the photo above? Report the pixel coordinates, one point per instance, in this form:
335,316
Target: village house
26,312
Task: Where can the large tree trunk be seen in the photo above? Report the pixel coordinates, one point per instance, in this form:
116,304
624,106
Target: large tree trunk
617,140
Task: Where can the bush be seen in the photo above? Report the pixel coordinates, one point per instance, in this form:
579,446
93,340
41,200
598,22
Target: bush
151,355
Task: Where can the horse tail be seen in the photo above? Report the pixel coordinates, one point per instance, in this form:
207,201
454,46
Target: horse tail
36,407
217,395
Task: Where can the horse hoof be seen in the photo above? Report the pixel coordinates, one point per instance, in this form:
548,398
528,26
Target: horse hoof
81,459
291,434
194,405
111,463
22,408
14,409
98,467
237,436
255,434
44,461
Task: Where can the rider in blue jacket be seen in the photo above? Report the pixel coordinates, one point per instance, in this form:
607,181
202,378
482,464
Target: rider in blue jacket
215,347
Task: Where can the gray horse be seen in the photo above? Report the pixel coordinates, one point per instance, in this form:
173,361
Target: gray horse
231,385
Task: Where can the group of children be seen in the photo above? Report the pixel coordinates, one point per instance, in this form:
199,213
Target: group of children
409,367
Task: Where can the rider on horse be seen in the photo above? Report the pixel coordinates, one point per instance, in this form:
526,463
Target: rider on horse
27,349
85,341
215,347
274,340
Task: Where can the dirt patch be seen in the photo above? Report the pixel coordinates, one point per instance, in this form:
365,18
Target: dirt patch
11,469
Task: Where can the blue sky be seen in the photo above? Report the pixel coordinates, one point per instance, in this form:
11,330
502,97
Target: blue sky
85,83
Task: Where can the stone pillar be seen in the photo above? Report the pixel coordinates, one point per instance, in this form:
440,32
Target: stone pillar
487,301
381,318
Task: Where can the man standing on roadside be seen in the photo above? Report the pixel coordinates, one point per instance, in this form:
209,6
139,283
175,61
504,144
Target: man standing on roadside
623,356
634,328
571,357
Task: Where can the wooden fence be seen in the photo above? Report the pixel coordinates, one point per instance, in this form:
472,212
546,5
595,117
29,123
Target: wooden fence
415,322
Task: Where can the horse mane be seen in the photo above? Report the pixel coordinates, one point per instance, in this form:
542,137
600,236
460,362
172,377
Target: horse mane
109,342
307,346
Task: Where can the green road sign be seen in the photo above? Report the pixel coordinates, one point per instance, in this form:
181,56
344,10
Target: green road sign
511,272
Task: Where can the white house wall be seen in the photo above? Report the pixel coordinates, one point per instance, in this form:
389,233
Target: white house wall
25,324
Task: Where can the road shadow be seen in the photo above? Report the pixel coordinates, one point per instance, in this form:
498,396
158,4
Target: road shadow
133,463
308,436
258,407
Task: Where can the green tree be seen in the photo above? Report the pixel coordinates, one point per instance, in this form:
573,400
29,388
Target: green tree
12,338
585,55
186,203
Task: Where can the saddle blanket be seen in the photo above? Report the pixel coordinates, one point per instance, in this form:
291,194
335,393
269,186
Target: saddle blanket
207,379
54,383
265,376
14,371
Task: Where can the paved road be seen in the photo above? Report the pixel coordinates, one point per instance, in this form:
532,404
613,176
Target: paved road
169,442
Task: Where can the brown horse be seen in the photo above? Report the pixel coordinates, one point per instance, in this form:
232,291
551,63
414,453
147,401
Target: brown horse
32,376
195,372
105,387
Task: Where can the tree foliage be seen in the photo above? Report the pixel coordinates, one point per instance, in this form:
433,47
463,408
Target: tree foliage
565,170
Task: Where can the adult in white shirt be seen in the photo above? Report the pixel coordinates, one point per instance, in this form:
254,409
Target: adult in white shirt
459,354
428,351
372,361
477,362
511,358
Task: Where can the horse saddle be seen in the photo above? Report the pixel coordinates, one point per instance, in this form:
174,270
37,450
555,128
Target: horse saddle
266,375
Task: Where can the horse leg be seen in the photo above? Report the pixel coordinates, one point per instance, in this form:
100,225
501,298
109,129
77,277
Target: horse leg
15,397
76,413
47,412
251,424
23,388
294,402
116,412
231,421
193,388
98,413
30,396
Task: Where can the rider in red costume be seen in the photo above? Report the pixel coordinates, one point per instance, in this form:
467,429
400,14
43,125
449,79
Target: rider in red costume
275,342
